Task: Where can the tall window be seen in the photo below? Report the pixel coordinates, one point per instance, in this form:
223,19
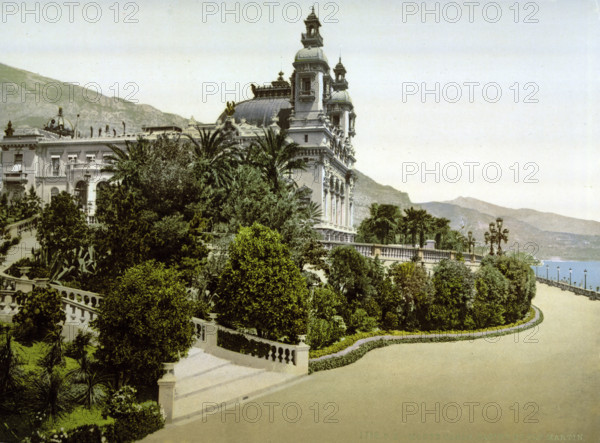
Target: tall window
55,165
53,193
18,166
306,85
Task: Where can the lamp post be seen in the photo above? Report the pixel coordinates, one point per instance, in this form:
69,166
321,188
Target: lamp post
557,274
547,266
585,279
570,275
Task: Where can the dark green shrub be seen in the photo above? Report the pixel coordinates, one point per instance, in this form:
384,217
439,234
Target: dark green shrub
390,321
40,314
492,293
521,279
261,288
454,295
361,322
410,295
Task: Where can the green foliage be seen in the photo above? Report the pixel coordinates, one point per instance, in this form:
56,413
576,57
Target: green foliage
349,274
286,211
361,322
133,421
40,314
261,287
143,322
410,295
50,394
354,355
62,226
276,156
54,355
454,295
12,376
382,224
492,293
521,284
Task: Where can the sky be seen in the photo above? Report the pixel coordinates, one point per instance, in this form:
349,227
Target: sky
498,101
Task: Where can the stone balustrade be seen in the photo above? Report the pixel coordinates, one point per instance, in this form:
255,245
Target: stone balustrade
9,305
16,229
249,350
592,295
80,306
392,253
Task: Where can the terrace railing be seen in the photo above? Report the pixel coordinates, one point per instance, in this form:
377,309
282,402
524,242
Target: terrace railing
250,350
589,293
401,253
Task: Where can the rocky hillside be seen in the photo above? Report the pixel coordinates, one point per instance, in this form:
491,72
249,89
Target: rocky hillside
368,191
32,100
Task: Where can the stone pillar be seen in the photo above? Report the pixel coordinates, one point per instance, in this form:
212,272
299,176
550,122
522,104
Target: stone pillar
302,357
166,391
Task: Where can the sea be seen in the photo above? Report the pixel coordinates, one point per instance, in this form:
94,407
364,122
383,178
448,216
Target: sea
577,272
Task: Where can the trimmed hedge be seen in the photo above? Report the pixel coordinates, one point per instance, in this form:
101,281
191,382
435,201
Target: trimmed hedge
352,356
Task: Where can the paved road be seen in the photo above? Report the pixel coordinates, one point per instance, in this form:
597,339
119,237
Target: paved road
540,385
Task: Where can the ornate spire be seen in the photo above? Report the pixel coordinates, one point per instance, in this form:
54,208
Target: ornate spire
9,131
312,38
340,83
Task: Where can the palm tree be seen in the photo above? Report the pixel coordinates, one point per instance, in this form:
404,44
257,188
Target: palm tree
274,155
442,228
89,384
383,221
51,394
215,156
124,163
419,222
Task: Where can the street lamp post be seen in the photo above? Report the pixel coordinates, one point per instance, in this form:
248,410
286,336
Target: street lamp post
570,275
547,266
557,274
585,279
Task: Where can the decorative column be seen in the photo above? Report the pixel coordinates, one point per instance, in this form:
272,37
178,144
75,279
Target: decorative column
166,391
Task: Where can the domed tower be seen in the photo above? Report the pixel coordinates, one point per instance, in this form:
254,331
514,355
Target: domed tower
340,108
321,123
311,82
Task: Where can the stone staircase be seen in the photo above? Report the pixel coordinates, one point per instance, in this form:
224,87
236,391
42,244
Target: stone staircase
206,383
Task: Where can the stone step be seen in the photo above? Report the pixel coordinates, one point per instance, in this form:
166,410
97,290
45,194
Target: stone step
196,363
228,393
212,378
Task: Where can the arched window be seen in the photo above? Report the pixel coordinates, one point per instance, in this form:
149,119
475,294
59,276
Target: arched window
81,194
53,193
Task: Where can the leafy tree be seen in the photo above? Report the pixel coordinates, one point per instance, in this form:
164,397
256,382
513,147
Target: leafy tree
382,224
325,325
287,211
521,289
62,227
454,295
349,275
40,315
275,155
143,322
492,293
410,296
261,287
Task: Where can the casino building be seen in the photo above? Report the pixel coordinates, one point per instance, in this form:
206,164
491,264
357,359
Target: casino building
313,105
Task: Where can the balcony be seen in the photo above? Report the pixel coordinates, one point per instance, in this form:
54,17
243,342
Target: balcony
15,177
306,95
